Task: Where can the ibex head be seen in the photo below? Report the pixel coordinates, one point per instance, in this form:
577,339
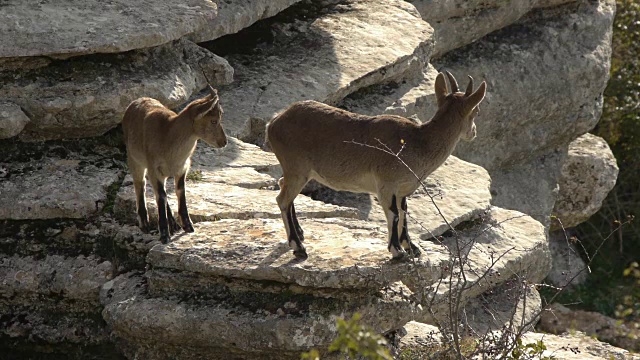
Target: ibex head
464,105
206,114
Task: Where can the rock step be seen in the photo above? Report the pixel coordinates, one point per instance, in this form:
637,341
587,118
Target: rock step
343,254
86,96
354,44
58,180
287,326
503,246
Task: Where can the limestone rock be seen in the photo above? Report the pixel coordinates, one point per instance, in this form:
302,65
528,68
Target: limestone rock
496,247
459,22
234,16
569,269
588,174
248,326
510,306
12,120
54,188
77,278
350,46
558,319
342,254
578,346
86,96
74,27
517,122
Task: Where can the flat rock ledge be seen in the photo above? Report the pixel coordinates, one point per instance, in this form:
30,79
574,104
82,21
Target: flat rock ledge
67,28
254,325
346,47
343,253
501,246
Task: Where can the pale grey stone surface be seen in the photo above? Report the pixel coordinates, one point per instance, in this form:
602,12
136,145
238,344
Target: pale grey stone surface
569,269
87,96
66,28
262,327
501,244
342,254
351,46
236,15
54,188
12,119
588,174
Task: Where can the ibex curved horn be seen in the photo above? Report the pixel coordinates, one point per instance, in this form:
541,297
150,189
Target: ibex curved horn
469,87
211,89
452,82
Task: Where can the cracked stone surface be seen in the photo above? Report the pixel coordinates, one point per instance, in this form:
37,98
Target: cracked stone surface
588,174
234,16
266,325
55,188
86,96
354,44
77,278
67,28
12,119
502,243
342,254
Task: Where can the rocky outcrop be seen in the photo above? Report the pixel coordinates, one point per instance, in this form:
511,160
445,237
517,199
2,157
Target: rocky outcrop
12,120
334,52
576,345
71,28
588,174
86,96
569,269
558,319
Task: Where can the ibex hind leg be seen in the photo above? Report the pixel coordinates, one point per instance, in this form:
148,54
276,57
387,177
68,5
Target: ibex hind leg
161,201
405,241
139,185
290,187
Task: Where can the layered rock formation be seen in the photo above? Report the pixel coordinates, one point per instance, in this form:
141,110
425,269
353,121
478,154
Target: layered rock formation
80,280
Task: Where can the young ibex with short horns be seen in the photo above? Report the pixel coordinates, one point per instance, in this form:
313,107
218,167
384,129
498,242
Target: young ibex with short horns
337,148
160,144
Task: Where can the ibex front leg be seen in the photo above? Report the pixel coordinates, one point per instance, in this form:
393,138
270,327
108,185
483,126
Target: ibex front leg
390,206
183,213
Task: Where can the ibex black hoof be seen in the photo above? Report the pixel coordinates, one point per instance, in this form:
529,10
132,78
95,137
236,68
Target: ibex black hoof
414,251
188,229
165,238
300,254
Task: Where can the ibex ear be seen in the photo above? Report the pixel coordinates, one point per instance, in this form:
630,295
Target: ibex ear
441,89
474,99
200,108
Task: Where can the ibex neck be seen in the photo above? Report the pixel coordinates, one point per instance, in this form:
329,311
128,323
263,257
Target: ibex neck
439,138
182,136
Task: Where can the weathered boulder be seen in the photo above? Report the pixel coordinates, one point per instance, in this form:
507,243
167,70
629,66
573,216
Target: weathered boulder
12,120
493,249
86,96
234,16
71,27
576,345
62,184
558,319
240,324
588,174
458,22
331,54
569,269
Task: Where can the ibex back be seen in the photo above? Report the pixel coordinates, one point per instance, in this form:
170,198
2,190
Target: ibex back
160,144
338,149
